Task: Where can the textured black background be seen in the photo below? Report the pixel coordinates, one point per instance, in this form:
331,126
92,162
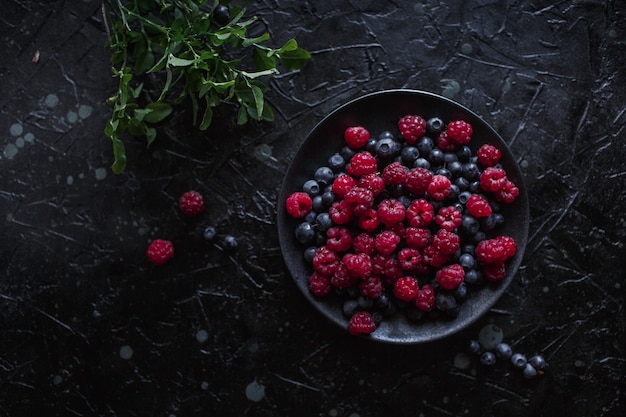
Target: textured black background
75,286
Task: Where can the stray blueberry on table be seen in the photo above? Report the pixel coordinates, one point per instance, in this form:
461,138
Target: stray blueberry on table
209,233
229,242
488,359
518,360
474,347
504,351
221,14
529,371
538,362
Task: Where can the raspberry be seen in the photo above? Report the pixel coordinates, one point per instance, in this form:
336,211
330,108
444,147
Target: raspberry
417,181
491,251
391,211
342,184
359,199
406,288
371,287
510,247
492,179
372,182
368,220
449,218
356,137
439,187
445,143
412,128
341,278
391,270
488,155
338,239
386,242
450,276
478,206
191,203
362,163
361,322
359,265
325,261
395,173
319,284
364,243
160,251
340,212
433,257
416,237
508,193
494,272
420,213
459,132
299,204
446,242
425,299
409,258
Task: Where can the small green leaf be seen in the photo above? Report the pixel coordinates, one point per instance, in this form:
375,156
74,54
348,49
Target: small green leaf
261,59
290,45
242,115
251,41
119,156
258,100
179,62
207,118
150,135
158,112
295,59
253,75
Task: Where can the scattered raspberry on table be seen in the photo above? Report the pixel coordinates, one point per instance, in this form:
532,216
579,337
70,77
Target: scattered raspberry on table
160,251
191,203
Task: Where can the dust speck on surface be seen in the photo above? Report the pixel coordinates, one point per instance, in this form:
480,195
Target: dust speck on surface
101,173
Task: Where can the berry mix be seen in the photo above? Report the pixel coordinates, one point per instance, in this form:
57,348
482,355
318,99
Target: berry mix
405,221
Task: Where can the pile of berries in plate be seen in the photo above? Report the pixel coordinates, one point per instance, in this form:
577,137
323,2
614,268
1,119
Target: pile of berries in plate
406,222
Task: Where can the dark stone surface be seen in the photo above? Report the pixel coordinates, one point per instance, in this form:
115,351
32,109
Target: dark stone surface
76,292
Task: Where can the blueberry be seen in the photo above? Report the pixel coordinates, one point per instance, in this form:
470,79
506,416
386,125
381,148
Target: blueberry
471,171
221,15
387,134
464,196
370,146
468,248
377,317
460,292
462,183
518,360
305,233
436,157
405,200
434,125
464,153
309,253
365,303
425,145
474,347
311,187
336,162
229,242
310,217
421,163
347,153
324,175
449,157
443,171
318,204
469,225
323,222
454,194
409,154
538,362
467,261
504,351
455,168
479,236
328,198
474,277
384,305
209,233
488,359
445,301
350,307
529,371
387,148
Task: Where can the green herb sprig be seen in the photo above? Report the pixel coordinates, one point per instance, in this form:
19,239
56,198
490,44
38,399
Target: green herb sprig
194,57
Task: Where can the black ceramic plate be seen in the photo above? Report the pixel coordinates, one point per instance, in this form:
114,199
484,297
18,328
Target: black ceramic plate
378,112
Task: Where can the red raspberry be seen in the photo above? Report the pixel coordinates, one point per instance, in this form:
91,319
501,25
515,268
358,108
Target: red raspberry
494,272
425,299
341,278
491,251
417,181
391,211
395,173
386,242
488,155
420,213
191,203
508,193
368,220
459,132
364,243
445,143
359,265
361,322
433,257
416,237
412,127
478,206
356,136
398,229
359,199
406,288
338,239
409,258
510,247
299,204
160,251
319,284
446,242
342,184
372,182
392,270
340,212
362,163
439,187
449,218
325,261
492,179
372,286
450,276
378,263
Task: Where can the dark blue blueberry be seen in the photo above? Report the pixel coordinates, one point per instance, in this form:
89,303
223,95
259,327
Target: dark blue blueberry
469,225
309,253
488,359
455,168
518,360
324,175
336,162
434,125
221,15
384,305
328,198
474,277
479,236
449,157
323,222
311,187
504,351
462,183
464,196
365,303
474,186
387,148
443,171
467,261
473,347
464,153
409,154
425,145
318,204
436,157
305,233
386,135
538,362
471,171
229,242
370,146
421,163
454,194
377,317
529,371
405,200
209,233
347,153
445,301
468,248
310,217
460,292
350,307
